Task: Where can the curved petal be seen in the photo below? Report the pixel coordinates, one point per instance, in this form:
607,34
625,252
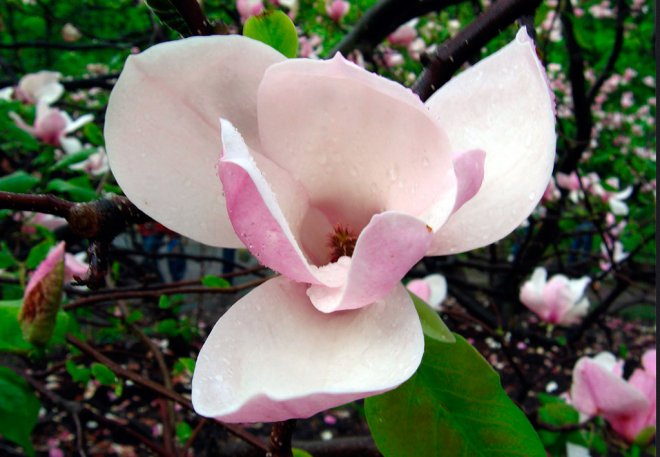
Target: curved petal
469,168
502,105
390,245
596,390
531,293
358,143
273,335
261,223
420,288
162,128
438,284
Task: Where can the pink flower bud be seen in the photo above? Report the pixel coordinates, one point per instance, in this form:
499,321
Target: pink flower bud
248,8
42,298
338,9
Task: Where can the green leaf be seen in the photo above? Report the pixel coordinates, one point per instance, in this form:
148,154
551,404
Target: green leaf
38,253
644,437
134,316
7,259
184,364
94,134
215,281
164,302
276,30
453,406
71,159
11,335
300,453
104,375
169,327
19,409
557,414
78,373
19,182
183,431
79,189
432,325
169,15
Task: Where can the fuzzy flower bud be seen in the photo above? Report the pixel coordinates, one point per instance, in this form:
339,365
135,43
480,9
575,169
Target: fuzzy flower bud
42,298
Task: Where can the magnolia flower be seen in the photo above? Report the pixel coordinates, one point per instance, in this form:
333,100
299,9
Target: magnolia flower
75,266
559,301
51,126
405,34
432,289
42,298
45,220
336,178
617,256
644,380
40,87
598,388
337,9
95,165
248,8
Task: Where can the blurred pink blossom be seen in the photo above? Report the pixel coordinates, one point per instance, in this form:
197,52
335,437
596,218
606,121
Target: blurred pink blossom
432,289
337,9
560,300
249,8
51,126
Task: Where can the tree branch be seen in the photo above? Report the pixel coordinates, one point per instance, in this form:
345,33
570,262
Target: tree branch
383,19
455,52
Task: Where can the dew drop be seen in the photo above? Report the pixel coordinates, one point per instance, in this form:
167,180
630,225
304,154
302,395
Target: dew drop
373,188
531,196
392,174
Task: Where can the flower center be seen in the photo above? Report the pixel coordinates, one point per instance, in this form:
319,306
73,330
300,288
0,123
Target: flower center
342,242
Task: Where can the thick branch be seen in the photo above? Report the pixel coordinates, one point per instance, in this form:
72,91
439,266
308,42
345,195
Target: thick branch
383,19
101,219
456,51
191,12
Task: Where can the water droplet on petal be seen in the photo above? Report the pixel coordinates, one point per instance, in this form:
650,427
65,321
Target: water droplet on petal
392,174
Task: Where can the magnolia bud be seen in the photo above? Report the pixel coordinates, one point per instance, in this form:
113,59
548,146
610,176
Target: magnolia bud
42,298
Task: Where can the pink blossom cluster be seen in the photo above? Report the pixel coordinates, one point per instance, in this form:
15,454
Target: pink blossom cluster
599,389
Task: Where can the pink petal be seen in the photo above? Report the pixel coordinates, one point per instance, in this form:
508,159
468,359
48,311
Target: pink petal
273,356
531,293
649,361
420,288
503,106
469,169
54,258
629,426
262,221
390,245
162,128
596,390
358,143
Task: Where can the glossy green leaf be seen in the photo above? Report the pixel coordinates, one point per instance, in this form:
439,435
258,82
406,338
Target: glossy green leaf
79,373
94,134
11,336
71,159
38,253
432,325
300,453
79,189
103,374
453,406
19,182
276,30
19,409
215,281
